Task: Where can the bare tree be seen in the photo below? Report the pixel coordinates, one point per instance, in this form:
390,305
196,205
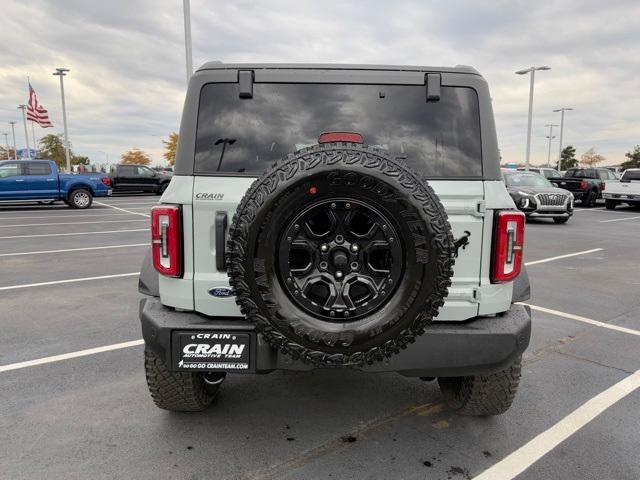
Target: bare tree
590,158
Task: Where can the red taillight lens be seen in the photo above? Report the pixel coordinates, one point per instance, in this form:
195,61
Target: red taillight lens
106,181
602,185
340,137
508,241
583,185
166,239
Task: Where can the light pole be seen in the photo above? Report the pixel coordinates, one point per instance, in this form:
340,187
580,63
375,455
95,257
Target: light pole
562,110
61,72
531,70
13,133
6,141
551,136
187,37
26,135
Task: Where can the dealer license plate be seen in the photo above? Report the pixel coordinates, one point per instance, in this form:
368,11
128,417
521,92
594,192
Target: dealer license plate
200,351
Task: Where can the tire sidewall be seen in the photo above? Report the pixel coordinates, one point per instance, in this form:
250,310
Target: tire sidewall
73,199
389,187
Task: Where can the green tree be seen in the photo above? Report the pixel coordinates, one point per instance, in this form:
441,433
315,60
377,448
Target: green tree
170,147
51,147
634,158
569,159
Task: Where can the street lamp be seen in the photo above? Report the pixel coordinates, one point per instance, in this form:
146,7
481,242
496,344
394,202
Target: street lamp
187,37
61,72
531,70
6,141
562,110
551,136
13,133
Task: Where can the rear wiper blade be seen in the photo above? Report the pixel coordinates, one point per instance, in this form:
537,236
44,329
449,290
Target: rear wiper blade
224,142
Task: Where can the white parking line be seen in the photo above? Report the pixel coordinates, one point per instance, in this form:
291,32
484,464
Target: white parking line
107,247
551,259
75,233
78,215
517,462
67,356
67,223
619,219
71,280
578,318
122,209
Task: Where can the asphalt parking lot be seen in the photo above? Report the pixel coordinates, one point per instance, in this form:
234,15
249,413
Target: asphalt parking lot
65,415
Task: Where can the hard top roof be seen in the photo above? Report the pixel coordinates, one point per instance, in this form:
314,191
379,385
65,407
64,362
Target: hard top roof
217,65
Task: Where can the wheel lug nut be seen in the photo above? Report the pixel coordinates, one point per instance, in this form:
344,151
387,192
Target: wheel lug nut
347,205
332,313
323,265
338,274
355,248
333,205
324,247
354,265
346,314
339,239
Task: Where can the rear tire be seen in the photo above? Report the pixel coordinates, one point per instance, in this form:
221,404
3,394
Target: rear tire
610,204
560,219
162,188
482,395
178,391
80,199
589,201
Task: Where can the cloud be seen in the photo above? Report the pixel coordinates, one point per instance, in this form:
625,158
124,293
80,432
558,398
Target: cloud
127,79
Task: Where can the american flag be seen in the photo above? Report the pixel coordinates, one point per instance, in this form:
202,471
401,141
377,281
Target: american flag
36,112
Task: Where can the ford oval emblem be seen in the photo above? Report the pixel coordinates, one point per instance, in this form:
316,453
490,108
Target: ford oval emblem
221,292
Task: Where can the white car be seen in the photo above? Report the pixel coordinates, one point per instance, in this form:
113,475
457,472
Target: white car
626,190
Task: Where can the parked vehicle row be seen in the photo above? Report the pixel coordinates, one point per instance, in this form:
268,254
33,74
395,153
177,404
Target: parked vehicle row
586,184
139,178
40,181
536,197
626,190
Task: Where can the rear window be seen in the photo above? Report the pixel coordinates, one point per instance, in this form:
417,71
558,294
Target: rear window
38,169
439,139
631,175
581,173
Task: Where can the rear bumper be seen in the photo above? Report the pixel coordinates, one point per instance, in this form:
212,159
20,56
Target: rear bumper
479,346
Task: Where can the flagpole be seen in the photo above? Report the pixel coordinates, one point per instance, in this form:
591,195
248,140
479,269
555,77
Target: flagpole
26,134
33,135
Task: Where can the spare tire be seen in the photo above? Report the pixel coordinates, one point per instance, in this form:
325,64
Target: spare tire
340,255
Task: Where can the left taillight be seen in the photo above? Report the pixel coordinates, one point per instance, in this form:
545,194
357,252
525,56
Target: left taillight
508,242
166,239
106,181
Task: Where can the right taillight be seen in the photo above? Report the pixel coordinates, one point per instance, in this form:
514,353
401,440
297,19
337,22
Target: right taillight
583,185
166,240
508,241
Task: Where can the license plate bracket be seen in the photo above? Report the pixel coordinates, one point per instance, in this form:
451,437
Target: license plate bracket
210,351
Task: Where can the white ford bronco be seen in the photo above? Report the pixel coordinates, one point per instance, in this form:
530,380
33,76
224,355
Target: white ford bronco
336,216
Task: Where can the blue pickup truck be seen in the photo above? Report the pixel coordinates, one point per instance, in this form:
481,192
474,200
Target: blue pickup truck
39,181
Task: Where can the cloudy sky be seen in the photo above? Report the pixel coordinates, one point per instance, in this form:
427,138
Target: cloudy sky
127,80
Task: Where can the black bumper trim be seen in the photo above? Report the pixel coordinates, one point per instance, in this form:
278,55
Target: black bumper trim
479,346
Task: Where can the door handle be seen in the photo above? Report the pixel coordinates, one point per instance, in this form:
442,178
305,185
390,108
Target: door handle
51,179
19,180
220,232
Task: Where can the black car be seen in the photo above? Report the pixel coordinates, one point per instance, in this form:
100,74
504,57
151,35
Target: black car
536,197
139,178
586,184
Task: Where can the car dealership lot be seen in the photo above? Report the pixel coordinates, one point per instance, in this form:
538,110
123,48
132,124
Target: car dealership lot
91,416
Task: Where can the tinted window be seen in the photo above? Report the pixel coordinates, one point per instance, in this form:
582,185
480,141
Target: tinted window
145,172
126,171
631,175
441,139
9,170
581,173
38,168
551,174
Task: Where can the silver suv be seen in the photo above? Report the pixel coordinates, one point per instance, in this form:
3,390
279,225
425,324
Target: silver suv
336,216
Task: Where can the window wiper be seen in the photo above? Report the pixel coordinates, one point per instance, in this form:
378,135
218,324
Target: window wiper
224,142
